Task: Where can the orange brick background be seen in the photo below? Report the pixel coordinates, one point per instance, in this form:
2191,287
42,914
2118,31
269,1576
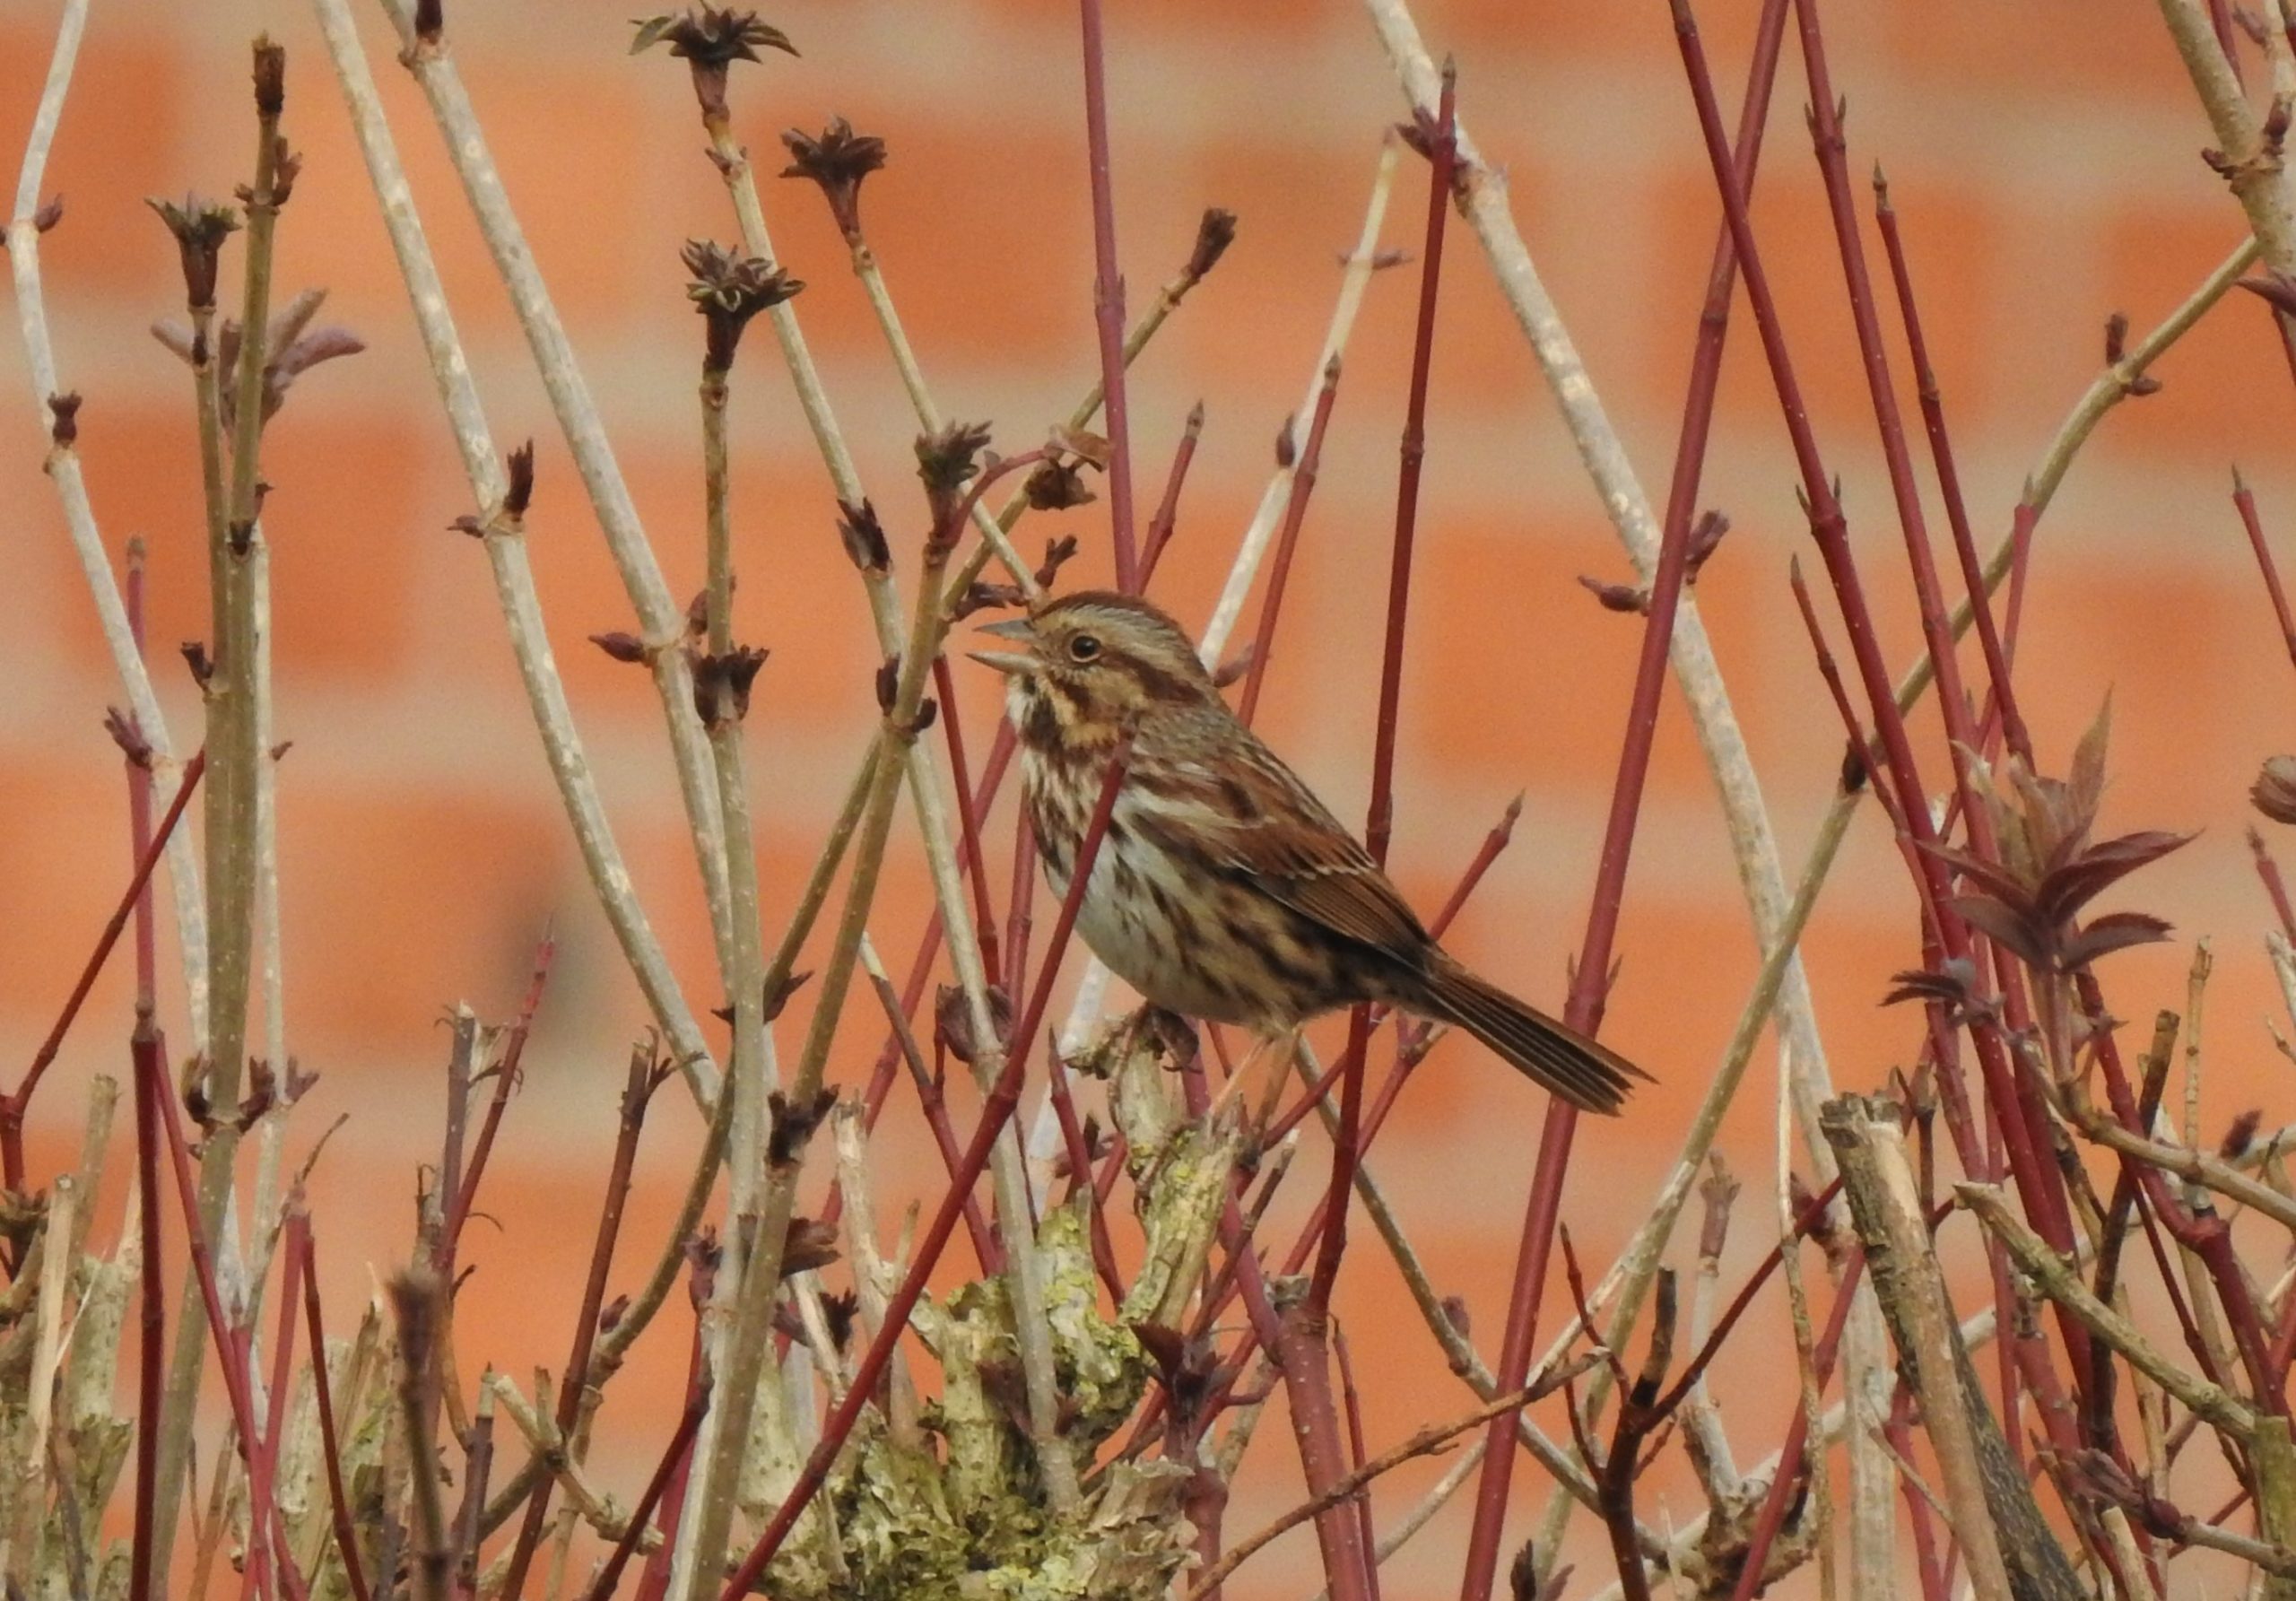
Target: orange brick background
2043,158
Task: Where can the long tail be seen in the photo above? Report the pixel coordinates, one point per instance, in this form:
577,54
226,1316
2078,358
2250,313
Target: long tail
1592,1077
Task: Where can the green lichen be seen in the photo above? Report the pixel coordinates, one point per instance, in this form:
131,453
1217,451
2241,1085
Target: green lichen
1099,1365
1180,1213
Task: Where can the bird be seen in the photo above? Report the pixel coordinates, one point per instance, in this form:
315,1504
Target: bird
1224,889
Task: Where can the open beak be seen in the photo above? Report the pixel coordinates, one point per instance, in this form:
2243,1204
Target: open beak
1008,661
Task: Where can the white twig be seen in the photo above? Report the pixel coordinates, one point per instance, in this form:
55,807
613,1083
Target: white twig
661,619
79,518
513,582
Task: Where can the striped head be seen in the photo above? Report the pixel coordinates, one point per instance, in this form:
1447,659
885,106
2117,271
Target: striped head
1092,666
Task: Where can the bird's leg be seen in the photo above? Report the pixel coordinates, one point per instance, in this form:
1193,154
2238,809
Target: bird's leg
1284,1050
1258,1082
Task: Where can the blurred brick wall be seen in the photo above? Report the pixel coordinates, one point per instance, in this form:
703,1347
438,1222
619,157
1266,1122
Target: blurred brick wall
2043,157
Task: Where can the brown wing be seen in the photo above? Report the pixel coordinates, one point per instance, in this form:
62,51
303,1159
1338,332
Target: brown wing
1254,816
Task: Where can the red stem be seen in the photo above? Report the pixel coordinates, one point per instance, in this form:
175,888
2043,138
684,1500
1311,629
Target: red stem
1159,526
1899,1430
13,1107
681,1441
346,1539
637,1091
1001,752
2268,871
2244,499
968,821
263,1474
2207,1235
1303,484
1949,478
151,1327
150,1050
1080,1171
1356,1454
1018,905
506,1080
985,1245
2042,1181
1583,1010
995,1111
1797,1438
654,1580
1107,299
2036,1180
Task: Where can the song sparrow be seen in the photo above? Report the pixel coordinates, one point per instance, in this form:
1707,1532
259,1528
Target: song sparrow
1224,889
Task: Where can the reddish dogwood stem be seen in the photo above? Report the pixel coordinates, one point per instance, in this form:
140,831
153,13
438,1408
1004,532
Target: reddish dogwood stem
1159,526
1107,299
1279,572
2244,499
1585,1007
12,1106
346,1539
994,1115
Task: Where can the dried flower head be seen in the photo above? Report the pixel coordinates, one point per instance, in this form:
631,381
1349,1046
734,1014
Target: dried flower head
952,1022
710,39
1056,486
200,227
1213,235
722,683
946,460
518,466
729,289
838,161
270,77
793,1123
864,537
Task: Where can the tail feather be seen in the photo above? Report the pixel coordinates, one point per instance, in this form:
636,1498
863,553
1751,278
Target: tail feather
1591,1077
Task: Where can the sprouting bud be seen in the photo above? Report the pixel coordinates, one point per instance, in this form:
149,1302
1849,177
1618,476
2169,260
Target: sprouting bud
202,665
1616,597
128,736
200,227
1705,538
838,161
622,647
710,39
729,289
1056,555
50,214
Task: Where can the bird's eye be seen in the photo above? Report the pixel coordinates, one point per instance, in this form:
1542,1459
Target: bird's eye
1083,647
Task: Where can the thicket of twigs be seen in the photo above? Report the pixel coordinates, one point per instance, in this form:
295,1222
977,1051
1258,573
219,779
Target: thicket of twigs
1062,1426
